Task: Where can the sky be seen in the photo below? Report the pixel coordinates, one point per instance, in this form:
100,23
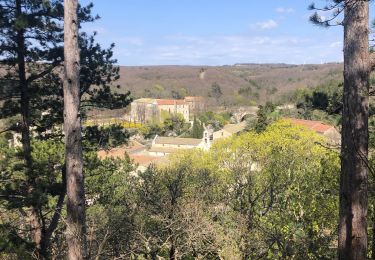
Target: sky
214,32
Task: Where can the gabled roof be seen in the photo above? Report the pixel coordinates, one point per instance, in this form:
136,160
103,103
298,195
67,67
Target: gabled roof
143,160
177,141
145,100
316,126
234,128
119,152
170,102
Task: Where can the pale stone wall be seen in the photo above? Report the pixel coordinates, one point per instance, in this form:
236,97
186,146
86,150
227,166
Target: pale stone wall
145,109
143,112
221,134
333,136
182,109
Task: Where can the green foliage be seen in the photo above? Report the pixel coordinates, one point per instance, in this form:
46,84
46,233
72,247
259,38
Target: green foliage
271,195
217,121
159,88
246,91
327,97
180,93
197,130
264,117
216,91
48,159
97,68
150,130
97,138
39,185
283,184
173,124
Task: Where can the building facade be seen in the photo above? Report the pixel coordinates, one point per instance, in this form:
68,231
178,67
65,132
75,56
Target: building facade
196,104
162,146
148,109
173,107
144,110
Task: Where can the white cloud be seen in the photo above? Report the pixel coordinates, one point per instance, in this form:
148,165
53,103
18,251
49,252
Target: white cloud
225,49
283,10
229,49
266,25
336,44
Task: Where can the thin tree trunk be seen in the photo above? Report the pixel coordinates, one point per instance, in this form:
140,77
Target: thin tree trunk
76,228
172,249
33,216
47,234
354,149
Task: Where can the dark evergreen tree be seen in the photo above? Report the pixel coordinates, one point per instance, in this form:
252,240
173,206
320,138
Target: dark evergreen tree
197,129
263,116
31,37
216,91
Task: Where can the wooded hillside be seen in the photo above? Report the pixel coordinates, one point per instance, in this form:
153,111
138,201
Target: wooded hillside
240,84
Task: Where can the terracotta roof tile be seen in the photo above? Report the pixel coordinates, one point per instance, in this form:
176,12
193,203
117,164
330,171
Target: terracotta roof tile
170,102
119,152
143,160
316,126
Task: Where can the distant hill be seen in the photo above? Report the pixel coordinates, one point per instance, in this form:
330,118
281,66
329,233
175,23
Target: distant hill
240,84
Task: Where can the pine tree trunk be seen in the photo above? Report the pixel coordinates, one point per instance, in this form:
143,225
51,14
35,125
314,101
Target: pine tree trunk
354,150
76,228
32,213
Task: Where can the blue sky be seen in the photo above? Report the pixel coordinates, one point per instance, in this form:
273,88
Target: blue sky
213,32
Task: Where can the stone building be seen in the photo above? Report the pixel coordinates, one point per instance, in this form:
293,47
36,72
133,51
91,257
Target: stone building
229,130
196,104
149,109
174,106
144,110
162,146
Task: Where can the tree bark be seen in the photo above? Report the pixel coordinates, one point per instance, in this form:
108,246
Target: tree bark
33,215
76,228
352,240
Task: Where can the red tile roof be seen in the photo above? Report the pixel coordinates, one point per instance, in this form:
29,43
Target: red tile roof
170,102
119,152
143,160
316,126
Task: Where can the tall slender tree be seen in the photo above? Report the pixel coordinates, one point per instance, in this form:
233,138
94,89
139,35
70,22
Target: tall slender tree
76,228
21,24
38,58
352,238
354,150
